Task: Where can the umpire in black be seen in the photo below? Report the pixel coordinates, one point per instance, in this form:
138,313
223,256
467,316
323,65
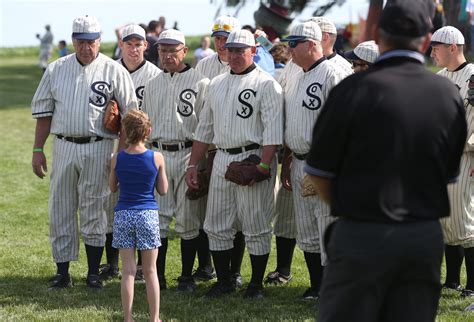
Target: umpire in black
385,146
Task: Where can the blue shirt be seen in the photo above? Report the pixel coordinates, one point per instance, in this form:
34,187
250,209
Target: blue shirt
137,174
265,60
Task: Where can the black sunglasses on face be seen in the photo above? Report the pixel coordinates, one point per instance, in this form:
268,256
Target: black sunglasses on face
294,43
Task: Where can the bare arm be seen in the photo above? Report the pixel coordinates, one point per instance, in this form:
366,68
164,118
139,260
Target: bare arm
113,181
122,141
286,169
38,162
198,151
162,180
323,187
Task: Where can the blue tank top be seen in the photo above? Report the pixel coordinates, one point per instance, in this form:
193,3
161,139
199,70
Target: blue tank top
136,174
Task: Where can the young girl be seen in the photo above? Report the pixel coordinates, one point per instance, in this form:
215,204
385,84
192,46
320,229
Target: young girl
138,171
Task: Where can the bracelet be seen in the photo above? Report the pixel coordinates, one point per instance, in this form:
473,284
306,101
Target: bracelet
190,166
264,166
37,149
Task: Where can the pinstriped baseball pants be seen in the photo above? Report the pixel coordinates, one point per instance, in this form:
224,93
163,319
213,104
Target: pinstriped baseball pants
284,224
79,182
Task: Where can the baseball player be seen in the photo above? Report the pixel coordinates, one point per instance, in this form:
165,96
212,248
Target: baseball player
304,97
69,103
210,67
242,116
363,56
46,47
174,100
447,51
133,45
329,32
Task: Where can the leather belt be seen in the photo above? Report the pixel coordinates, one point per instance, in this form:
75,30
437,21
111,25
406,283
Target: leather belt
172,147
300,156
241,149
80,139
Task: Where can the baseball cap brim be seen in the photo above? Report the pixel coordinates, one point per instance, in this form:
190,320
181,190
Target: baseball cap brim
220,33
290,38
351,55
133,36
168,42
86,35
236,45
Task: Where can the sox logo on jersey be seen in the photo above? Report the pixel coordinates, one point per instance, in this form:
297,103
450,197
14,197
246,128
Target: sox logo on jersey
99,98
246,109
186,108
314,102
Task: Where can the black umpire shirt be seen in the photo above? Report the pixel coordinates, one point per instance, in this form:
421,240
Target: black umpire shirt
390,138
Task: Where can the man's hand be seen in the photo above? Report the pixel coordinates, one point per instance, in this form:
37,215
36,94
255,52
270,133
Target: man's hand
192,178
285,175
39,164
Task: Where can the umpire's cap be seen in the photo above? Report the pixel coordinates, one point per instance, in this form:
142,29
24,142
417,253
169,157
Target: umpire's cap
407,18
86,28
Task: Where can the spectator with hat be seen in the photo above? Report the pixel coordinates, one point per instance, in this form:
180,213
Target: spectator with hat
363,56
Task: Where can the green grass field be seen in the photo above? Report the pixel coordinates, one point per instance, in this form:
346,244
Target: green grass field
25,255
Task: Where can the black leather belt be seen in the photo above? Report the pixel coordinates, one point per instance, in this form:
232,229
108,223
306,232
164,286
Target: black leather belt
300,156
80,139
172,147
241,149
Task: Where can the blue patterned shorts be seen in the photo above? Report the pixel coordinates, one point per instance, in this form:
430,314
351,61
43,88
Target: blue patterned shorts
136,228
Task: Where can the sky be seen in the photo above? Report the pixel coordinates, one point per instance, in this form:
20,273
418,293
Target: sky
21,20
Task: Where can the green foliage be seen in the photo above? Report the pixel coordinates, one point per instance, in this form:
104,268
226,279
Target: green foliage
25,253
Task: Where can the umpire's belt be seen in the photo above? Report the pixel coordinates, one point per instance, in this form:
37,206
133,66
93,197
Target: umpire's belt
80,139
300,156
172,147
242,149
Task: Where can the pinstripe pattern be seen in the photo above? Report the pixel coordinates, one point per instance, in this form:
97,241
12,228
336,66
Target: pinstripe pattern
284,224
311,213
343,64
212,66
288,73
229,123
253,206
76,95
305,96
163,101
79,181
458,228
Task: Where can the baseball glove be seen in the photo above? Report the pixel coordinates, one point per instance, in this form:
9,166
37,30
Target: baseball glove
470,91
307,188
245,172
204,177
112,120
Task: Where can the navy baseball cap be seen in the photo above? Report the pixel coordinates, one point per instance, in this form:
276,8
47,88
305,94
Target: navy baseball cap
86,28
407,18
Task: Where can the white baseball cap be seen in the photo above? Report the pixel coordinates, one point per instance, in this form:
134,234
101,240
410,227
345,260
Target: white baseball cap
239,39
86,28
447,35
304,30
171,37
133,31
325,24
367,51
224,25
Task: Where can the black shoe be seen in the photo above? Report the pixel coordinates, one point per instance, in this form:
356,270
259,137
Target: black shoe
139,278
277,278
186,284
204,274
162,280
311,293
467,293
94,282
236,280
59,281
453,286
107,272
254,291
219,289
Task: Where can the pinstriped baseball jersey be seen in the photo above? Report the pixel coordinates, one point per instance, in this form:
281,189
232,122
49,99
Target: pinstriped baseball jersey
173,103
212,66
76,96
241,110
342,63
458,228
305,95
288,72
141,76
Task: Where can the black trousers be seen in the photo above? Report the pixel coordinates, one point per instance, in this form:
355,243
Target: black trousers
382,272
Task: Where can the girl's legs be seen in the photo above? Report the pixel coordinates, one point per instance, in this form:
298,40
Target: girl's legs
149,257
129,269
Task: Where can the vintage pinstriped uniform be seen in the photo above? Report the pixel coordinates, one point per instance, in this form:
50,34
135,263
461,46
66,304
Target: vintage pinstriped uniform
76,96
174,103
458,229
305,96
341,63
241,110
212,66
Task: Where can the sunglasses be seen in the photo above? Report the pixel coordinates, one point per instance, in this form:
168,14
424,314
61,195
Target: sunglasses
225,27
356,64
294,43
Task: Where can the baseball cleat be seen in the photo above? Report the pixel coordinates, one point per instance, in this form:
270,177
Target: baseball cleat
467,293
204,274
94,282
311,294
277,278
186,284
219,289
254,291
107,272
453,286
59,281
236,280
139,278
